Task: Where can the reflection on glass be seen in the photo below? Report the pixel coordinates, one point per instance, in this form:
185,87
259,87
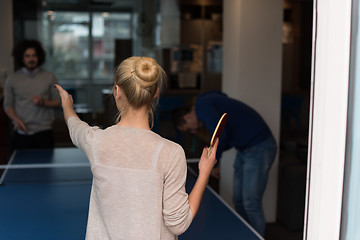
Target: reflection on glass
66,36
106,28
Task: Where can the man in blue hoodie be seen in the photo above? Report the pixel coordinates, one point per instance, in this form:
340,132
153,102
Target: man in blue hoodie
247,132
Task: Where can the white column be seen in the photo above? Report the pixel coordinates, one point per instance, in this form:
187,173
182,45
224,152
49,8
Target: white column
252,74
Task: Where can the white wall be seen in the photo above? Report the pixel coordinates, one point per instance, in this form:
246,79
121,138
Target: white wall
252,74
6,39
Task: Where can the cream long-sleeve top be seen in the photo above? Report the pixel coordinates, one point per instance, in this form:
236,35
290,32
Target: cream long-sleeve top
138,188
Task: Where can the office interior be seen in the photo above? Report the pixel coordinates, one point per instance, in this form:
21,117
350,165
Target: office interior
257,52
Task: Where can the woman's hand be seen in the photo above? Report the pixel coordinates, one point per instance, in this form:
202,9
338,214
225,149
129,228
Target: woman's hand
66,102
66,98
207,163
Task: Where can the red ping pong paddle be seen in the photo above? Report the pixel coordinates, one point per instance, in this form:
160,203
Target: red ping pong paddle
218,131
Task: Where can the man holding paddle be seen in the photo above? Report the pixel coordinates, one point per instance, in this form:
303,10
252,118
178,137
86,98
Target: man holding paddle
246,131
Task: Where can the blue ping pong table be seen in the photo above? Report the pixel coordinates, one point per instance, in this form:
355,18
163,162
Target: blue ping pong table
44,194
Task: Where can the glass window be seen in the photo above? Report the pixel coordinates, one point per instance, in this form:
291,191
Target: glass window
83,57
66,37
351,197
106,29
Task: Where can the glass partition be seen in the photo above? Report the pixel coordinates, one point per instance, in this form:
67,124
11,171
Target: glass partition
106,29
351,208
66,38
81,50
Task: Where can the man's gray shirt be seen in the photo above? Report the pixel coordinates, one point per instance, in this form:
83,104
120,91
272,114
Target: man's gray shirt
20,87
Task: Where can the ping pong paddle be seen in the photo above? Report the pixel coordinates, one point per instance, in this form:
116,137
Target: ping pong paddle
218,131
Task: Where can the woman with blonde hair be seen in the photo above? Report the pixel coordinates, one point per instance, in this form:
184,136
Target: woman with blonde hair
138,189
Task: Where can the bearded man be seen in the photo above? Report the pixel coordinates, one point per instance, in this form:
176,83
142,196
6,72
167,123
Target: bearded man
30,97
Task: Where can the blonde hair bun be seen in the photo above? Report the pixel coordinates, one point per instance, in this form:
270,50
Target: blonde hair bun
140,79
147,71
